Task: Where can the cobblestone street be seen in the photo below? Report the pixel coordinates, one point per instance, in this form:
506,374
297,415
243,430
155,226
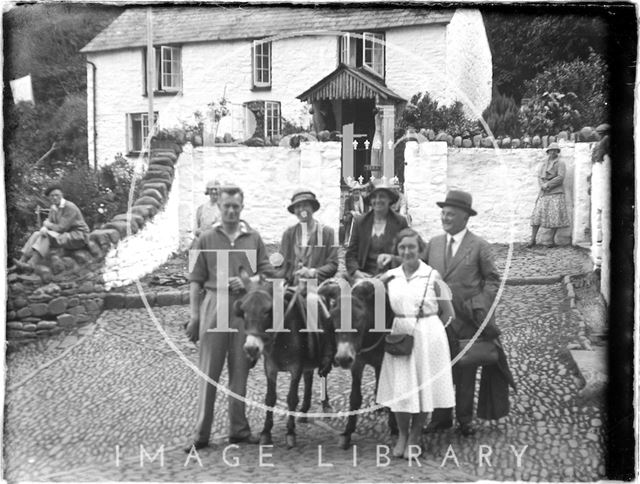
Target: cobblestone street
82,409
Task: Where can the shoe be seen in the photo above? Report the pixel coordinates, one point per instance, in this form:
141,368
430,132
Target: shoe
437,427
249,439
466,429
195,445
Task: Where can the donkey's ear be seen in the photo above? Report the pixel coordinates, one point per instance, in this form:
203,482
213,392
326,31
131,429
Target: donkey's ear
237,308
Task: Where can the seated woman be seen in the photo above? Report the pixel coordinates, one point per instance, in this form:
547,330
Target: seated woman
372,237
418,383
309,251
65,227
315,256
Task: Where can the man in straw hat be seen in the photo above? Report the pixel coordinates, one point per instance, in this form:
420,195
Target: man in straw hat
465,263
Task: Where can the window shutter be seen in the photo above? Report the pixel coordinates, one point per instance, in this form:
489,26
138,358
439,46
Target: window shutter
128,134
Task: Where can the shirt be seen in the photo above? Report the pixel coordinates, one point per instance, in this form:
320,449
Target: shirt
204,265
457,240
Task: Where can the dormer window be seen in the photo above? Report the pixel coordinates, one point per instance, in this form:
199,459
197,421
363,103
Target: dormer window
364,49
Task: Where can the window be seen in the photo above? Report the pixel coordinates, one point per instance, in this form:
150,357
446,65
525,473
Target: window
271,119
363,50
138,130
262,119
261,64
168,70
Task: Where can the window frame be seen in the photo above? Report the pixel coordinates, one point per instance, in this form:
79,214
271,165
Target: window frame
257,72
361,43
164,55
144,122
278,119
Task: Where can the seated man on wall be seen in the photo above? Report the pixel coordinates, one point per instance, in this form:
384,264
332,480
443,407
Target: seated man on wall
65,227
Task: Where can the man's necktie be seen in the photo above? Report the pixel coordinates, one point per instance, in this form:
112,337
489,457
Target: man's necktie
449,254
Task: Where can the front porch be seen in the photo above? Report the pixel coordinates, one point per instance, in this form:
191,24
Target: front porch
357,103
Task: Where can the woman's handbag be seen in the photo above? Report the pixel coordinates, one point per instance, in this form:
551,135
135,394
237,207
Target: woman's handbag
401,344
398,344
482,352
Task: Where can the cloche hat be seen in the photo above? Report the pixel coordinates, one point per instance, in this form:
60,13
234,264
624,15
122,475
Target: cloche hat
553,146
304,195
459,199
382,184
211,184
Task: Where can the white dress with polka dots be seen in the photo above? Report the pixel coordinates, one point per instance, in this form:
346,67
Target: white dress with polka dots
421,381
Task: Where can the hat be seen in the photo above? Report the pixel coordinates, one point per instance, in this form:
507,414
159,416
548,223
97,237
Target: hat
382,184
459,199
211,184
304,195
51,188
553,146
603,128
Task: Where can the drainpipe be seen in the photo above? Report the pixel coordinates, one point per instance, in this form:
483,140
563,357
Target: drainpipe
93,115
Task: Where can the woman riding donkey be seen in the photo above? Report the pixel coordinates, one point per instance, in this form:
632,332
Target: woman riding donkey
309,251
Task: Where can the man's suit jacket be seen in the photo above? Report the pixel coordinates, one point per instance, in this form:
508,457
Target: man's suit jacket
358,250
472,277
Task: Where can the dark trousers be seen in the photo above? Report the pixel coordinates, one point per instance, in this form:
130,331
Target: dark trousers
464,380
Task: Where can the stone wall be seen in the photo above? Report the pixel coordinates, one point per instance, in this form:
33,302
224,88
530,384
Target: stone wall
268,177
503,184
140,253
68,289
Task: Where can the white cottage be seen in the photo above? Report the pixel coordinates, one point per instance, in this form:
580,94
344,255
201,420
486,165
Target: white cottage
346,69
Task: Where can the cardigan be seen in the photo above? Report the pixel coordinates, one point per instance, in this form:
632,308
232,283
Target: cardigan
323,258
553,175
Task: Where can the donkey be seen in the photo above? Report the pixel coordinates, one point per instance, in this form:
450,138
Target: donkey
283,351
359,348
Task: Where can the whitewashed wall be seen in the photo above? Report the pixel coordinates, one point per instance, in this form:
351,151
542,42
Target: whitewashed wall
468,59
140,253
503,184
416,60
268,177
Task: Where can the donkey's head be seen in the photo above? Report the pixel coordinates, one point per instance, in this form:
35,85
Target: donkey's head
256,310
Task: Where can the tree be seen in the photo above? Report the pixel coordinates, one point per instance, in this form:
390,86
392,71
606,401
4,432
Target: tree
587,79
523,44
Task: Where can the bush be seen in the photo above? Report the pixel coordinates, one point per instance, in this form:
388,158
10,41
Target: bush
99,194
424,112
587,79
550,113
502,116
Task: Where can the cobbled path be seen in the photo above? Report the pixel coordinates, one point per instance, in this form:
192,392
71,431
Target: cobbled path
123,390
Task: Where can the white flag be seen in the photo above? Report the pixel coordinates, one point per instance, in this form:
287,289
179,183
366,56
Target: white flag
21,89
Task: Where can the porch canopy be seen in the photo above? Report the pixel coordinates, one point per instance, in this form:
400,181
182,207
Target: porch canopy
350,83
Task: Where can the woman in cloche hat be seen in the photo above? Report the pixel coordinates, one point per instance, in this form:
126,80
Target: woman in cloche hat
309,251
373,234
306,253
208,213
550,210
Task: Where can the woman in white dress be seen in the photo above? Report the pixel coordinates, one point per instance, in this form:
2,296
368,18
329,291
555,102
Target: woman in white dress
412,386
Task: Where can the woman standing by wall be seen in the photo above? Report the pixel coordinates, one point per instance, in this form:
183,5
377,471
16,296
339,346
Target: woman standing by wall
550,210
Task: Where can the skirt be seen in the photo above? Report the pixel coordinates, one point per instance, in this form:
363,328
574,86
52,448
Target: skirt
550,211
422,381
